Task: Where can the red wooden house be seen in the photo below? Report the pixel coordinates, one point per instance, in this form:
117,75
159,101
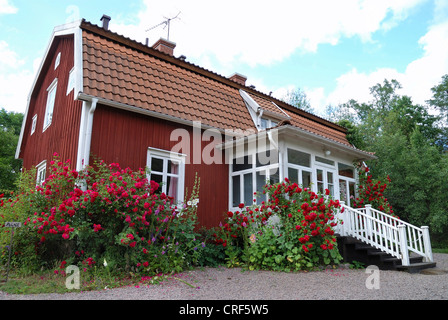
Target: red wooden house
99,93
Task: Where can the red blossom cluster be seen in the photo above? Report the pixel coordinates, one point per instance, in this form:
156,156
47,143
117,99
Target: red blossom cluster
372,192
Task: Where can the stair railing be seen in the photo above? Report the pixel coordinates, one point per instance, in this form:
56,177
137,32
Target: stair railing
385,232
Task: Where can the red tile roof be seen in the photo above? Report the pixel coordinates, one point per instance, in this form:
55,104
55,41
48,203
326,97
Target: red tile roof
119,69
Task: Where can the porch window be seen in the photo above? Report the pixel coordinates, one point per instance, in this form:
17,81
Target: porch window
168,170
299,167
347,183
249,174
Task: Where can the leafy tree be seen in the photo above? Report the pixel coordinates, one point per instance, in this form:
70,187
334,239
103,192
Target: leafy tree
440,95
10,126
298,99
409,142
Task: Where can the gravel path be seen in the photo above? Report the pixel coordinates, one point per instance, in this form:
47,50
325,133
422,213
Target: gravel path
236,284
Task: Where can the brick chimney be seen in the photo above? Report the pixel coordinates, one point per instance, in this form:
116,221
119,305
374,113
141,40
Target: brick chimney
106,20
238,78
165,46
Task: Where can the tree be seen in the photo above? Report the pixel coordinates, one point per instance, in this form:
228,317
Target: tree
10,126
409,142
440,95
298,99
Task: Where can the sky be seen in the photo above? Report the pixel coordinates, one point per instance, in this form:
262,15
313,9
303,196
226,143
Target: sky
334,51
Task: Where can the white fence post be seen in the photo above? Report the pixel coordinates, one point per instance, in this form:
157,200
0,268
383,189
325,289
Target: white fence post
403,245
341,224
427,244
369,231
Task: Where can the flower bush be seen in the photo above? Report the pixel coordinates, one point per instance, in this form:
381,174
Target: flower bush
292,231
103,213
371,192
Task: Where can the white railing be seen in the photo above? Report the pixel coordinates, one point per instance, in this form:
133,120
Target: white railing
385,232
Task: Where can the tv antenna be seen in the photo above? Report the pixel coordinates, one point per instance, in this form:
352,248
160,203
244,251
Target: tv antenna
166,24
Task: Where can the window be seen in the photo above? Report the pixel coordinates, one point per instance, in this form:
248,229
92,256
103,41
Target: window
346,170
33,124
325,161
58,61
266,123
41,172
50,103
347,183
71,81
249,175
168,170
299,167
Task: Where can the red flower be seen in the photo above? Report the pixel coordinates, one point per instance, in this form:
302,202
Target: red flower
241,205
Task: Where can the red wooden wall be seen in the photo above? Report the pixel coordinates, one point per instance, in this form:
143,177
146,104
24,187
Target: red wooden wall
62,135
124,137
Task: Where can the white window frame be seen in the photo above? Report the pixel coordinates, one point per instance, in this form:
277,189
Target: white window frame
253,169
347,180
41,172
33,124
49,109
300,168
174,157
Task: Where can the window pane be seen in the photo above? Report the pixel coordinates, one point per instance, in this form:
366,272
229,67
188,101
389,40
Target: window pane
242,163
343,191
266,158
330,183
320,181
261,182
264,123
326,161
236,198
156,164
299,158
345,170
306,179
273,176
171,187
157,178
248,189
351,189
293,175
173,167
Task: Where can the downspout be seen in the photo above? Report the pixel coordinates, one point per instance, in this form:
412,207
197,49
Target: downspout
88,137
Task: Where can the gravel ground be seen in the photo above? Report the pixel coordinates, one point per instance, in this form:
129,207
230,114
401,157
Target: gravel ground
236,284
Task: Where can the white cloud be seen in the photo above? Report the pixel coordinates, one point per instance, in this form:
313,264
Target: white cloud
14,81
7,8
262,32
417,80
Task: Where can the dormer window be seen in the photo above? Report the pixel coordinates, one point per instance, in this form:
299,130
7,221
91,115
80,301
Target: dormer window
266,123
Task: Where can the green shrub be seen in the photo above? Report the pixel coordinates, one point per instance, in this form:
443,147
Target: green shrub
292,231
102,214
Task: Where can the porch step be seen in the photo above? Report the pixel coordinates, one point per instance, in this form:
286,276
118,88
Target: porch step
353,249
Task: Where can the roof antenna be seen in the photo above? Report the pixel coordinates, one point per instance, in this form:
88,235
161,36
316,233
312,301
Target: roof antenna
166,23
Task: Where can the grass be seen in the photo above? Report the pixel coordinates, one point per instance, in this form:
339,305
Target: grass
48,282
